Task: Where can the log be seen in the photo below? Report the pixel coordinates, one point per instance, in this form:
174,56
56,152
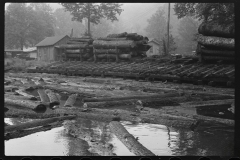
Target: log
214,29
10,88
76,42
106,51
216,42
71,91
36,123
73,46
78,51
19,97
135,102
129,140
30,97
131,97
82,40
112,39
73,55
120,35
71,100
207,103
34,105
24,133
217,58
101,56
212,52
52,97
125,56
43,95
113,44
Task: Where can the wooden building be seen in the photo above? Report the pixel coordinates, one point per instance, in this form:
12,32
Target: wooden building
154,50
32,52
47,49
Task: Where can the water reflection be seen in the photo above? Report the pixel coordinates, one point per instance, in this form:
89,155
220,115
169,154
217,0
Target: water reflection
71,138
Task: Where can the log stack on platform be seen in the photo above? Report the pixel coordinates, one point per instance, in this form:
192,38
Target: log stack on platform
123,46
216,42
78,48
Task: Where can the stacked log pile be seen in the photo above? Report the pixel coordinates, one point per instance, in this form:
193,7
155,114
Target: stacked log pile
78,48
188,70
120,47
216,42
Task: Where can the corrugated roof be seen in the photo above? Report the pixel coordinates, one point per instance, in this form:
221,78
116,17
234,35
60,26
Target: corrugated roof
50,41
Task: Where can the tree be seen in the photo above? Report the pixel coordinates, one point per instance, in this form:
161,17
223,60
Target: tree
64,24
26,25
157,28
187,30
93,12
219,12
102,29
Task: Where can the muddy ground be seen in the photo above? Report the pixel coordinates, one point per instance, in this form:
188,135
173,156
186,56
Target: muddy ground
207,118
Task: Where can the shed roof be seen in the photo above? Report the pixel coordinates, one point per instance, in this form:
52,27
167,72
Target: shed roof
153,40
50,41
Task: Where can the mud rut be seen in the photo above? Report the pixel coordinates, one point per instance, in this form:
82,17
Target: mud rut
69,101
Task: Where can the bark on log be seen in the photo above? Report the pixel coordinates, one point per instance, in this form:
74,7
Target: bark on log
82,40
19,97
52,97
10,88
212,52
125,56
217,58
217,42
101,56
207,103
73,46
34,105
214,29
78,51
131,97
36,123
73,55
129,140
112,39
30,97
71,100
113,44
144,102
43,95
106,51
24,133
120,35
71,91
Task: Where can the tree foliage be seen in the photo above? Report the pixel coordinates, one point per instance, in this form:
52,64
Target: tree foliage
94,12
187,30
27,25
64,24
157,28
219,12
102,29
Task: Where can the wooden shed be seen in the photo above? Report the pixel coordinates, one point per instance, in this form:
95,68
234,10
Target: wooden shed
154,50
47,49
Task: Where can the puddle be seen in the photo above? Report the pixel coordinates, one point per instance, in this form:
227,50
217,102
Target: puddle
159,139
220,111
